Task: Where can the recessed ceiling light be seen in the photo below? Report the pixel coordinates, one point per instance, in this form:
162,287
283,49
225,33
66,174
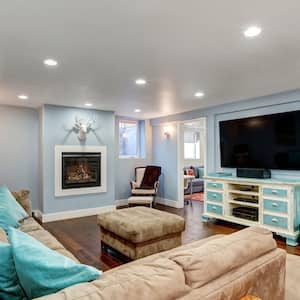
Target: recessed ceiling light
88,104
50,62
252,31
199,94
140,81
137,110
23,97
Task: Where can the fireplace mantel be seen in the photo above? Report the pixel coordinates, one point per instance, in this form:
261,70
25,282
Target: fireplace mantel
101,182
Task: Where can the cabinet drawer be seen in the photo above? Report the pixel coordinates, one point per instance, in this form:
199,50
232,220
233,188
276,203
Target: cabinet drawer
215,209
214,196
275,205
275,192
276,221
214,185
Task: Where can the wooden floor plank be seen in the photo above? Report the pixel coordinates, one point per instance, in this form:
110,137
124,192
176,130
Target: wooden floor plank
82,237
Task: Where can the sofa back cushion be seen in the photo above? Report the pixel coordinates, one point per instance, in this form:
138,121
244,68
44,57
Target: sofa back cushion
217,257
159,279
22,197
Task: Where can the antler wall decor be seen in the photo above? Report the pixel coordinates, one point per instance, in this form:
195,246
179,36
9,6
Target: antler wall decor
83,127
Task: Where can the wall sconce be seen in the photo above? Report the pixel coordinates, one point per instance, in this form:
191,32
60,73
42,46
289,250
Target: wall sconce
167,130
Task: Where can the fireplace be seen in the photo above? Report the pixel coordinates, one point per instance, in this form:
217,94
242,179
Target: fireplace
81,170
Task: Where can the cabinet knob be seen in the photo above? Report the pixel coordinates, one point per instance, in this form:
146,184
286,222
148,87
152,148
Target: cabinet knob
275,204
214,185
214,208
274,220
274,192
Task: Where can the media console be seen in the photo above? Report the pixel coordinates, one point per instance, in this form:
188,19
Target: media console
270,203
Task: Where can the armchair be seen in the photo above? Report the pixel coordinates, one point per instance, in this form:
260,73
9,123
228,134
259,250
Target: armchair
146,181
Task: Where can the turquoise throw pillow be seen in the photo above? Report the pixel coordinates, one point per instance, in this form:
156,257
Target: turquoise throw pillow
10,288
200,172
42,271
11,212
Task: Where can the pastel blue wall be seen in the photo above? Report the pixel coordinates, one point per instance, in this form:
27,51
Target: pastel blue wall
164,154
282,102
56,130
19,151
125,166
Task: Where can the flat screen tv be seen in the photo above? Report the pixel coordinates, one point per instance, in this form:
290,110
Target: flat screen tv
269,142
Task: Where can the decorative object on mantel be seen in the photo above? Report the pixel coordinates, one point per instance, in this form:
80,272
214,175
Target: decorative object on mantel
83,127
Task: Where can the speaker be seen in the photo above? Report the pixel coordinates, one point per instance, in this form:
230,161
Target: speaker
253,173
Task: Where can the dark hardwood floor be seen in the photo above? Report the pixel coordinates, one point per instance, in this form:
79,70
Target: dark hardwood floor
82,237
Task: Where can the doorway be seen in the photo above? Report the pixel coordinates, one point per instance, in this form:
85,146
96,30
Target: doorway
192,146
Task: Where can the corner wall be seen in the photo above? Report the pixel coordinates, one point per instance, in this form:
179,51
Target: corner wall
19,151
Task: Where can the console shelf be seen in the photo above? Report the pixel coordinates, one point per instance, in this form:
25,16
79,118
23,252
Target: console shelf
244,192
270,203
243,203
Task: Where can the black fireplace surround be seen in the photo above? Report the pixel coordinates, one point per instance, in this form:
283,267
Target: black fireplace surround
81,170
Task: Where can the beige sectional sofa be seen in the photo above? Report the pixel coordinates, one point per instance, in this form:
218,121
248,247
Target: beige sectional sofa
216,268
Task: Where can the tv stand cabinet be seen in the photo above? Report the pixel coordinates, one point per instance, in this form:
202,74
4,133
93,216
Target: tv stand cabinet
277,202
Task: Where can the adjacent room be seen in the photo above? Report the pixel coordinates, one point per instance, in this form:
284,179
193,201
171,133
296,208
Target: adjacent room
150,150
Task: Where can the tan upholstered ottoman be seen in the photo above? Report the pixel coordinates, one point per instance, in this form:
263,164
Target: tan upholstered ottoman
140,231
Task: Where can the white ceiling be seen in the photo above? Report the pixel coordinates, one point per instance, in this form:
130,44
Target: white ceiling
178,46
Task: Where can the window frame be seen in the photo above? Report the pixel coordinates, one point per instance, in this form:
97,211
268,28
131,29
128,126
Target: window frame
138,139
194,148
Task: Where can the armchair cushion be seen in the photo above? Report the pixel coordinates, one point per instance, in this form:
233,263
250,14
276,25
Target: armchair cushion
143,191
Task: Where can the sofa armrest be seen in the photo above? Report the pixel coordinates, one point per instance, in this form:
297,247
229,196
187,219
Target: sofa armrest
133,185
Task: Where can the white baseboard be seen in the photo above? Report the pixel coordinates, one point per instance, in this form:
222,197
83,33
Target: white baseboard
168,202
121,202
71,214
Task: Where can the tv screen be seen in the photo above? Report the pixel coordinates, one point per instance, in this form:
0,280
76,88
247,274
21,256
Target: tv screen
270,142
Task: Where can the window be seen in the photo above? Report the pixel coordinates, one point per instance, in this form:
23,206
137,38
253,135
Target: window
191,144
128,138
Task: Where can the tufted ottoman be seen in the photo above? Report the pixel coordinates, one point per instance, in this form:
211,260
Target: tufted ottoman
140,231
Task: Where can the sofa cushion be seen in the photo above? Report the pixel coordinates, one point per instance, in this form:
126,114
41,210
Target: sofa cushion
143,192
46,238
68,254
200,172
11,212
139,224
161,279
49,270
22,197
30,224
219,256
144,281
10,288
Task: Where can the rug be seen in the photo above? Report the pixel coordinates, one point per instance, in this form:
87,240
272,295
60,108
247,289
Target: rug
195,197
